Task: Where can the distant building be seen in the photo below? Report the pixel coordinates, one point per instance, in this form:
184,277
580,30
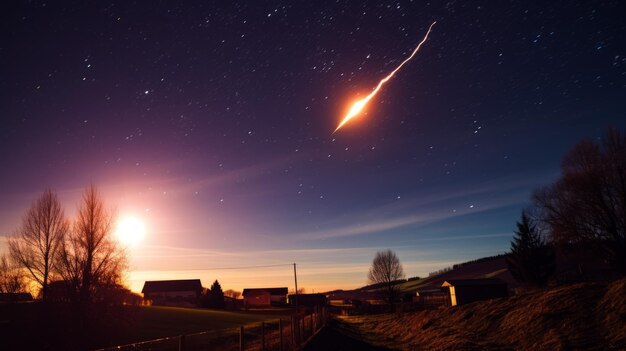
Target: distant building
431,298
463,291
264,296
173,292
60,291
15,297
308,300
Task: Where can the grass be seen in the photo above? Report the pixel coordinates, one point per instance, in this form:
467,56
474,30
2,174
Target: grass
56,329
156,322
579,316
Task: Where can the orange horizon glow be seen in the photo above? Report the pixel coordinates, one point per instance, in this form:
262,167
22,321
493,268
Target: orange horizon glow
137,278
358,106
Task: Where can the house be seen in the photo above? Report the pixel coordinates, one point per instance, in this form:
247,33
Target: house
60,291
264,296
173,292
16,297
463,291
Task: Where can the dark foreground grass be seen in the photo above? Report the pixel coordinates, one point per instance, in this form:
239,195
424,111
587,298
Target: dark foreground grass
583,316
156,322
38,326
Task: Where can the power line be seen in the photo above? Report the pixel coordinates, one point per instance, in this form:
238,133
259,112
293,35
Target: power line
222,268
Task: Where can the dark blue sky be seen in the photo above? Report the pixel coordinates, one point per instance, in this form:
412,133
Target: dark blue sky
212,122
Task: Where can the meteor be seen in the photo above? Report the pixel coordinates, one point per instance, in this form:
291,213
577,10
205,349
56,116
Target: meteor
358,106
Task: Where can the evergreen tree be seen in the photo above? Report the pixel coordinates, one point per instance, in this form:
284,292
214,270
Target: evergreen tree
531,259
215,296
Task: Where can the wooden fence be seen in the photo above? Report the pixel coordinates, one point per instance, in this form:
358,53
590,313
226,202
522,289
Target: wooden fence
272,335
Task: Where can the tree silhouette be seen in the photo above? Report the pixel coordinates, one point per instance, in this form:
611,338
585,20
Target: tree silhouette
36,243
232,293
300,291
11,276
214,296
588,202
386,270
531,260
90,258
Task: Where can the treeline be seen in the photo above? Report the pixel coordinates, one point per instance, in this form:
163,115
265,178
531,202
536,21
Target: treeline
383,284
584,210
75,267
75,260
463,264
478,260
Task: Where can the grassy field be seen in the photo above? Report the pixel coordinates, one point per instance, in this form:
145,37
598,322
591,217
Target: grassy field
155,322
56,328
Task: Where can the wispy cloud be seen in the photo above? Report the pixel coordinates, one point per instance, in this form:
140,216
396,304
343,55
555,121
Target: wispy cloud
425,210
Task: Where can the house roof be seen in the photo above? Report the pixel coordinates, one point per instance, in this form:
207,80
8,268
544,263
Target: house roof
309,295
472,282
171,285
16,296
422,292
272,291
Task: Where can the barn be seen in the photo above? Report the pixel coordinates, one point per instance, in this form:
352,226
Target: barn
173,292
264,296
463,291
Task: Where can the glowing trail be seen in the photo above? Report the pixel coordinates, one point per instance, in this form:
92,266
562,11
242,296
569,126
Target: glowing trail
359,105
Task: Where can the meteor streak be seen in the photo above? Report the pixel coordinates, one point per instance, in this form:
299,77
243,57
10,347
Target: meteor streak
358,106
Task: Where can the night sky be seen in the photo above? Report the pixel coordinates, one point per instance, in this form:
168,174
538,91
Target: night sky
212,122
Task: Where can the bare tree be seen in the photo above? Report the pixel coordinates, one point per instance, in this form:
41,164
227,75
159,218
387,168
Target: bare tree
90,258
36,243
588,201
300,291
12,279
232,293
386,270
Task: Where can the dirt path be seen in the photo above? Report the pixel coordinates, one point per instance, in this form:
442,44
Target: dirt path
332,337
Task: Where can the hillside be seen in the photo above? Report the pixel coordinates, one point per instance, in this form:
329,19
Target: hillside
589,316
488,267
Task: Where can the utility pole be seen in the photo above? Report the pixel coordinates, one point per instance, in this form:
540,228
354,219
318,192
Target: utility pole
295,278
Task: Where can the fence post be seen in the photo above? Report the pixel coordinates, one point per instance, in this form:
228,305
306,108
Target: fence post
280,333
242,340
293,332
181,342
320,323
312,326
298,330
262,336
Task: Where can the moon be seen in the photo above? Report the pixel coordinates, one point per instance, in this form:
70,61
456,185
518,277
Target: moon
130,231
